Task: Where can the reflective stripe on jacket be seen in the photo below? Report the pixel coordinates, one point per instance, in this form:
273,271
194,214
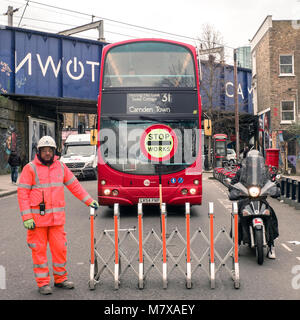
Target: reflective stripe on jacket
39,182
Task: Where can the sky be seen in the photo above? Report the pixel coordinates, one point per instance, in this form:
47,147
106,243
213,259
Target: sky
236,20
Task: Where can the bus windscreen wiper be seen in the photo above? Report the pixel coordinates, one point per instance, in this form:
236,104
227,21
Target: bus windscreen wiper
156,120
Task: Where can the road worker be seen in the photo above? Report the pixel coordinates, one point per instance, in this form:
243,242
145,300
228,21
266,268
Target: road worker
42,205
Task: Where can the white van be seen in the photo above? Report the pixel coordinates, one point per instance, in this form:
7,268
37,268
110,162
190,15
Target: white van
80,156
231,155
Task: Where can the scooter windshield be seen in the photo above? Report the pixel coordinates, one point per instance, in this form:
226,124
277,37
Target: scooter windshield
253,171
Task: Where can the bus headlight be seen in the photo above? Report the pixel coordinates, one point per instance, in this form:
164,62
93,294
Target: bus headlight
196,182
184,192
254,192
103,182
106,192
193,191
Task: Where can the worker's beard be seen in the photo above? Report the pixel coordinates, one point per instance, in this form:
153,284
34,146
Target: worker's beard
45,162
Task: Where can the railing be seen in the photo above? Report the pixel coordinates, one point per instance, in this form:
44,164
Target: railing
129,246
290,192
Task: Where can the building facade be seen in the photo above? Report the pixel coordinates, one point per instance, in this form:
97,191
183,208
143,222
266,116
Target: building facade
275,50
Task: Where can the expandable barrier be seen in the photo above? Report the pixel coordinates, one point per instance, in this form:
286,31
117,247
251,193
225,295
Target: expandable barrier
118,237
290,192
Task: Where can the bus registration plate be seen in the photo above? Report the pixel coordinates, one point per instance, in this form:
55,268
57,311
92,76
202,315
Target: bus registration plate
148,200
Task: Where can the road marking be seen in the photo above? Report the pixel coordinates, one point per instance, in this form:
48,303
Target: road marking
286,247
226,203
294,242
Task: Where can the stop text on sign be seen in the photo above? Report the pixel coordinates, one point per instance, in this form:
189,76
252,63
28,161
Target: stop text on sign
159,142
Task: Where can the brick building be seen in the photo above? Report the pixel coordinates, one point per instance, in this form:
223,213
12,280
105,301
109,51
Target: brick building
275,50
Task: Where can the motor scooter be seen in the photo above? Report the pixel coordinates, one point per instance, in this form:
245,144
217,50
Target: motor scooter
256,217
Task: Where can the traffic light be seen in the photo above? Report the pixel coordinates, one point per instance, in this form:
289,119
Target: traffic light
207,127
93,137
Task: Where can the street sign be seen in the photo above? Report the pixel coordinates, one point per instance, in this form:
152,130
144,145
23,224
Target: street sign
159,142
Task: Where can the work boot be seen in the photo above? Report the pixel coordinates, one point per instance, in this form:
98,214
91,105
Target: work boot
45,290
271,252
65,285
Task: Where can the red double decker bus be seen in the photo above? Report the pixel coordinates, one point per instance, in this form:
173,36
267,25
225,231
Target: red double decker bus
149,124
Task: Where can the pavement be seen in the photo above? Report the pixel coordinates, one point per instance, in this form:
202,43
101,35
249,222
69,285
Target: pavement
6,186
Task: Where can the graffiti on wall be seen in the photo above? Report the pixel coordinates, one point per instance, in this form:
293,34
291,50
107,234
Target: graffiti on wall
5,72
292,160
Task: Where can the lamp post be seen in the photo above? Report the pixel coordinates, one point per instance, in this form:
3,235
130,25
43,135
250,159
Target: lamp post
236,106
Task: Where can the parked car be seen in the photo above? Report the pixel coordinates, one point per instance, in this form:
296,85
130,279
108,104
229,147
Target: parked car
231,155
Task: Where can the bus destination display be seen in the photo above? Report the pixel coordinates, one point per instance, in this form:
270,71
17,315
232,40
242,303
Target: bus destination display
149,103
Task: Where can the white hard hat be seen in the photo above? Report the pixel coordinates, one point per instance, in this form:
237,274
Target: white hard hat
46,141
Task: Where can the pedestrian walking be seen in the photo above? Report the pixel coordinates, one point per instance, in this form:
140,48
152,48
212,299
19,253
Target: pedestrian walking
14,161
42,206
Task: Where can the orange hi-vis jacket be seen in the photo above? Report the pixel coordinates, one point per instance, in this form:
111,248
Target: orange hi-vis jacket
39,183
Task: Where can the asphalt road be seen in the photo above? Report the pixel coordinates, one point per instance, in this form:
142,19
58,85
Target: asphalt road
275,279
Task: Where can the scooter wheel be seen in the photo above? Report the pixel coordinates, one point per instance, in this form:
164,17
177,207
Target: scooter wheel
259,246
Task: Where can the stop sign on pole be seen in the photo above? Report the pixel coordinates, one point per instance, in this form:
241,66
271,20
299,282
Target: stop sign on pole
159,142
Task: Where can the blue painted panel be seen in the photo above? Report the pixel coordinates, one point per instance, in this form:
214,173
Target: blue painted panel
244,78
6,62
48,65
82,71
38,62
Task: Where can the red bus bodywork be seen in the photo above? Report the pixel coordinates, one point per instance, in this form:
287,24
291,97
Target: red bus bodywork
132,187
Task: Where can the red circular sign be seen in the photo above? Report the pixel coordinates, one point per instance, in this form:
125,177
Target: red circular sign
159,142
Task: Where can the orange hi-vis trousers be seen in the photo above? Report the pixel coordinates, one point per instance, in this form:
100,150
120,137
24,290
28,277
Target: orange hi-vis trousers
37,240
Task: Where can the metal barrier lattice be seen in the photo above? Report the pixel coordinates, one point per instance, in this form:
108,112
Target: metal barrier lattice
117,238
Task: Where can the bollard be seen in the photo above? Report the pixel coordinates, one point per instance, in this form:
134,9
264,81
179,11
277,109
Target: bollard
164,243
297,202
282,188
212,248
287,191
188,246
116,228
92,265
236,275
293,195
141,262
